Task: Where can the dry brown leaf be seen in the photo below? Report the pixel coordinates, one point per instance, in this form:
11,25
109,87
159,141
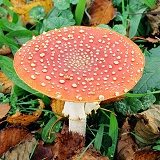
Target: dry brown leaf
11,136
42,152
153,112
126,146
10,56
6,83
66,144
21,151
101,12
154,18
148,126
147,131
146,154
4,109
22,8
90,154
4,50
24,119
153,40
149,39
57,107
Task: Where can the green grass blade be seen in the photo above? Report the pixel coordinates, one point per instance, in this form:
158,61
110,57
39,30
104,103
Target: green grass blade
149,3
33,150
113,133
99,137
10,26
52,126
79,12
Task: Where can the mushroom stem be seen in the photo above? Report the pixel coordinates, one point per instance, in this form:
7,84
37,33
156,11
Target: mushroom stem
77,117
77,113
78,126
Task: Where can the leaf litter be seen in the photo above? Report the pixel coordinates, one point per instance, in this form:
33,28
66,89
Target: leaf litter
101,12
139,132
4,109
21,151
4,50
126,145
146,154
147,127
91,154
42,152
25,119
154,18
66,144
6,83
11,136
57,107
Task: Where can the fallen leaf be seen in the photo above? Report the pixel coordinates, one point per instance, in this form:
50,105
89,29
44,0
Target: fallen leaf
126,146
101,12
146,154
146,132
57,107
5,50
149,39
42,152
11,136
21,151
4,109
153,40
6,83
23,8
153,112
147,127
90,154
66,144
154,18
24,119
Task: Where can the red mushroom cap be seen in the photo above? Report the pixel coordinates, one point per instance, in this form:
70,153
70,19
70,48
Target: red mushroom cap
81,64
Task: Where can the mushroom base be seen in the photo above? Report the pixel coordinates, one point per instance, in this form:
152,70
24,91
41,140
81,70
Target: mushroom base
78,126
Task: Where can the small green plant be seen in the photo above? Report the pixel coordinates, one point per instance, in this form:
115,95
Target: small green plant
4,98
37,14
118,28
133,105
156,146
60,16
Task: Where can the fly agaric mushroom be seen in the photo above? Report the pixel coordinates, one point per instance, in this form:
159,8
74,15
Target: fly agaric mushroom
80,65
